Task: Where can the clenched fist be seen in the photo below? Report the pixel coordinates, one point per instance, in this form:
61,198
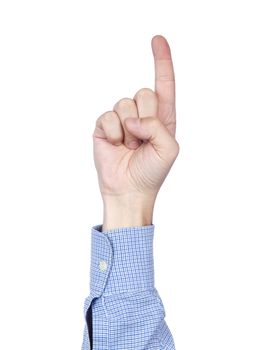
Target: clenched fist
135,146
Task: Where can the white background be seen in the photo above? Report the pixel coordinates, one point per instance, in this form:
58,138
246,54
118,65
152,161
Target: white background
64,63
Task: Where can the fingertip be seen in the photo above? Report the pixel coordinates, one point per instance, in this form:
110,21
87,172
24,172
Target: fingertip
160,47
158,37
134,144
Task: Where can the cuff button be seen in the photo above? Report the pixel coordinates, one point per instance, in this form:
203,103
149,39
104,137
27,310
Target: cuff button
103,265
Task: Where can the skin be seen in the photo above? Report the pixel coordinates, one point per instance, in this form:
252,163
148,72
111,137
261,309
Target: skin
134,146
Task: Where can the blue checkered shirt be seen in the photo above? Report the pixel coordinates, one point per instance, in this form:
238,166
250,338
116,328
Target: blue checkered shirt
124,310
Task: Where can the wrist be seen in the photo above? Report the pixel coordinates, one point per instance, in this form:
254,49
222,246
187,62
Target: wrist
127,211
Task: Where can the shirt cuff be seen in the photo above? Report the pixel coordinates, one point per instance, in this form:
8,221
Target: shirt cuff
121,260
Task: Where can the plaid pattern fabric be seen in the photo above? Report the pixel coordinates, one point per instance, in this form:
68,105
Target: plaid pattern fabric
127,311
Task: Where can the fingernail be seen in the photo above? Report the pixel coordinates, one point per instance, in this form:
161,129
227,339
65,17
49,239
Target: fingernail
133,144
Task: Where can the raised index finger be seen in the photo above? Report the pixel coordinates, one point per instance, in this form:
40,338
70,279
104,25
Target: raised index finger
164,78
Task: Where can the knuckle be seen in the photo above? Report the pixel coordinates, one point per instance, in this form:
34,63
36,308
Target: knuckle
178,147
108,116
124,103
98,121
144,92
175,149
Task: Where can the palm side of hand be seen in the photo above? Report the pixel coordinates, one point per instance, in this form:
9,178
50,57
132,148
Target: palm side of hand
124,168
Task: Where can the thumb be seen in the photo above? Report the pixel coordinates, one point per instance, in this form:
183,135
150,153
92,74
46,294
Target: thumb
153,130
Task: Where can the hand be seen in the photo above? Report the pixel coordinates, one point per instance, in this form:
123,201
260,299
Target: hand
135,145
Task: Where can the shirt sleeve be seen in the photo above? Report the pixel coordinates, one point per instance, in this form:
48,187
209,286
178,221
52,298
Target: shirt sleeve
124,310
